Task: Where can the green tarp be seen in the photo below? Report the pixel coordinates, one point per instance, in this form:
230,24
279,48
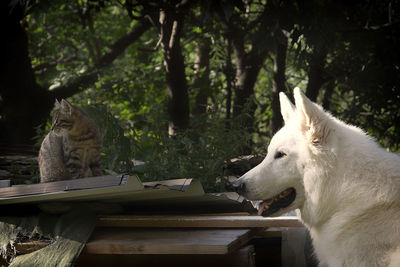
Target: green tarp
67,234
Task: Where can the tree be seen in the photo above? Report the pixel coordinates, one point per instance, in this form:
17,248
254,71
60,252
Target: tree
279,79
351,58
250,53
20,95
26,104
338,52
201,75
169,20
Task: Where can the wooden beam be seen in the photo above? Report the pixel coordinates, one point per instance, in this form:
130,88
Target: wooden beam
167,241
177,221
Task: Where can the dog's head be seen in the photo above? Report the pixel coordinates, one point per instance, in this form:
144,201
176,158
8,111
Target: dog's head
278,181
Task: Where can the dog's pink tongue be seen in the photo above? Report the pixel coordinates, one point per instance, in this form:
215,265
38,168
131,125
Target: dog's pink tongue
261,208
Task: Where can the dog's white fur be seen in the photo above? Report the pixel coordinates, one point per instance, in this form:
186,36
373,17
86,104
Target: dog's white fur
347,186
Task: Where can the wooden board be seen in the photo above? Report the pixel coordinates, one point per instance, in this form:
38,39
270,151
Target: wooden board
130,190
174,184
31,246
67,185
166,241
88,183
128,186
243,257
216,221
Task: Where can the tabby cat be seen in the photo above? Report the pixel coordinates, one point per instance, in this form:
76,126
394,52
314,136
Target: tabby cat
72,146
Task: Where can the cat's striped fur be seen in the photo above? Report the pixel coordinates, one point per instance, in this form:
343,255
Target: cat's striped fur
72,147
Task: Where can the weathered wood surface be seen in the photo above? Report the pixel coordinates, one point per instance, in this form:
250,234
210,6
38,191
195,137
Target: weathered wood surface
21,169
132,192
106,193
167,241
243,257
67,185
176,221
95,183
31,246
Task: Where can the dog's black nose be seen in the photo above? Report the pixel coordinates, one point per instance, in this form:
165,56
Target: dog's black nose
239,186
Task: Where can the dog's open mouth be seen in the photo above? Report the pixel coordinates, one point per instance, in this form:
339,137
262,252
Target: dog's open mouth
270,206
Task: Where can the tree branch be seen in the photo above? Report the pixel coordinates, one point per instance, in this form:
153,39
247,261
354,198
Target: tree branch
384,26
77,85
120,45
81,82
45,66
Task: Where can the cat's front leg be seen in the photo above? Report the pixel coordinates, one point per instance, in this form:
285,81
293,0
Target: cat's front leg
95,163
96,169
76,170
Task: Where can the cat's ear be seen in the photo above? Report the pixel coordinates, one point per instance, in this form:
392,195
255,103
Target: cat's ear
57,104
66,106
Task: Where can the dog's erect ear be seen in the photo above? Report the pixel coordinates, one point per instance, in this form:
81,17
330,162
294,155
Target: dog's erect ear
288,110
314,122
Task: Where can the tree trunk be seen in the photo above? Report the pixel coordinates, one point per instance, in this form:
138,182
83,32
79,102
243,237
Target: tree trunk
248,65
171,25
23,101
229,81
316,72
279,82
201,75
326,102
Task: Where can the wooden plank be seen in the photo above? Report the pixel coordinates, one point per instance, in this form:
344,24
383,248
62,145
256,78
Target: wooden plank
132,185
270,233
243,257
166,241
174,184
31,246
5,183
130,190
67,185
177,221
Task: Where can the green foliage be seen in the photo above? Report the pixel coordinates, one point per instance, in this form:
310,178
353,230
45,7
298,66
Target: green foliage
41,132
62,53
194,153
200,152
118,149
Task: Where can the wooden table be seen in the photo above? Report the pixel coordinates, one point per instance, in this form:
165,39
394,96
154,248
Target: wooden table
178,240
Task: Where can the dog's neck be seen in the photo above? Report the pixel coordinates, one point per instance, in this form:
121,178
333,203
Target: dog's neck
319,180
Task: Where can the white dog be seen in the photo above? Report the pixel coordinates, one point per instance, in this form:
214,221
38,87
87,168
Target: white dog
345,186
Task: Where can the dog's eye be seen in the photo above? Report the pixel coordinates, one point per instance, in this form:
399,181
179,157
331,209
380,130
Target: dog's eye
279,155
